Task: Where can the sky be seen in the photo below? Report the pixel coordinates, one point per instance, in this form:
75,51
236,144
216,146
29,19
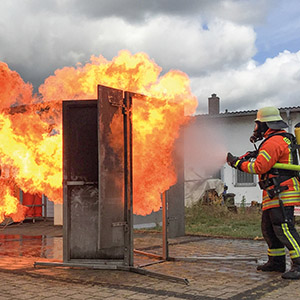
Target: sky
245,51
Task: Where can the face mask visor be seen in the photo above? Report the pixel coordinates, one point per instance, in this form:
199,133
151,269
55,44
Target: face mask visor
259,131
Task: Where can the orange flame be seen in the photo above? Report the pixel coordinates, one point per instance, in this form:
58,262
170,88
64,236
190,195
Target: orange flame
156,124
31,143
13,90
10,205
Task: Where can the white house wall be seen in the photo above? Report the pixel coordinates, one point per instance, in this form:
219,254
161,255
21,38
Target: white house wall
295,118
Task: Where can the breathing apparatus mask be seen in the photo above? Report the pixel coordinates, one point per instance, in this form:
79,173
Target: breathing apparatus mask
267,117
259,131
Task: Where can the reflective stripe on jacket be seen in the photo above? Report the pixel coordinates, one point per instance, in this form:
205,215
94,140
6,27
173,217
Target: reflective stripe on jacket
275,149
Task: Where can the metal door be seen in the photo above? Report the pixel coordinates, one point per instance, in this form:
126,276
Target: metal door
80,179
115,173
98,179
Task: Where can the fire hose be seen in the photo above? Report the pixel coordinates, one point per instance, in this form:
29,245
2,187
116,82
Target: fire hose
290,167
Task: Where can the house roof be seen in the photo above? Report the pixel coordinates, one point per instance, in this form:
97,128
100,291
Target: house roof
247,112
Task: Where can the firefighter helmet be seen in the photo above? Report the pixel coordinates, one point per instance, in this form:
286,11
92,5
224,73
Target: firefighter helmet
271,116
268,114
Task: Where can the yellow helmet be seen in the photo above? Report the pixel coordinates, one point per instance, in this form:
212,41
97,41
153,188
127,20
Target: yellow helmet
271,116
268,114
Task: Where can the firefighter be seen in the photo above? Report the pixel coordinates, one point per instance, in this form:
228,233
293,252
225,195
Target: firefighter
281,190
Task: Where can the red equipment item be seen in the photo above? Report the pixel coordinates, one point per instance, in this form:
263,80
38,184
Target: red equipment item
34,202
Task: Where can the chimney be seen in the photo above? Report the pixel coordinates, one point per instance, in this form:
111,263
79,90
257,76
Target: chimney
213,105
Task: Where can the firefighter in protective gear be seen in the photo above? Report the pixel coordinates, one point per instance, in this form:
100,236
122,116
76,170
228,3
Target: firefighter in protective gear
281,189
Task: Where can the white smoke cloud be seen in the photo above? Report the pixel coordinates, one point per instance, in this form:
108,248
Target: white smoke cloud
205,150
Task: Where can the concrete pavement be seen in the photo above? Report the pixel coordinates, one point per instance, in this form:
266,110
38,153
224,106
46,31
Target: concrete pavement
221,279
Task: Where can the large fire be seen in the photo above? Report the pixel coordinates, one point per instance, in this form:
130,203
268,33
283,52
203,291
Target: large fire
31,141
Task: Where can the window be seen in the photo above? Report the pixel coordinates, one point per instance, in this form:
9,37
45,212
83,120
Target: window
244,179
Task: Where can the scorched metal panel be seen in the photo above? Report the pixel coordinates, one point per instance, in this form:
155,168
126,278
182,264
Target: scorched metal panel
115,220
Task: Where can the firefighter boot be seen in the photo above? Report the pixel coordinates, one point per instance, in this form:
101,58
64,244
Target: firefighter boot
274,264
294,272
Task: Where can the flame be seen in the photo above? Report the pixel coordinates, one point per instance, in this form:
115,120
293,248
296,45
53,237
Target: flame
10,205
31,142
156,124
13,90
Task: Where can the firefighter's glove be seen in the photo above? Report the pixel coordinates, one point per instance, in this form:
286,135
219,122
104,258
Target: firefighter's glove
234,161
249,155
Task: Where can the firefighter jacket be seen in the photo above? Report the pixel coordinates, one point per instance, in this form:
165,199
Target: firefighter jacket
274,150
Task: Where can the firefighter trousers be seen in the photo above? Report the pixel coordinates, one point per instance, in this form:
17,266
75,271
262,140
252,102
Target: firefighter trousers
279,234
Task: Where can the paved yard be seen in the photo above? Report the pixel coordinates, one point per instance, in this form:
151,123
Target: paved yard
220,279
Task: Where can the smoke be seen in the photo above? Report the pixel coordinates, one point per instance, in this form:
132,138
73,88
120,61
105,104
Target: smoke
205,150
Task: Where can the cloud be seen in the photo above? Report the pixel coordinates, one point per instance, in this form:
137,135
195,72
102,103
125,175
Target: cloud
276,82
139,11
213,41
41,40
243,11
180,44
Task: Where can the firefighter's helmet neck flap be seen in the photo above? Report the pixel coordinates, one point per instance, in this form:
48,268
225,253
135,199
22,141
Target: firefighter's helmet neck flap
267,117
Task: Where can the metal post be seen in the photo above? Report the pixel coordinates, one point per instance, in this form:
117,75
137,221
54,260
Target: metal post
44,206
21,196
165,254
128,194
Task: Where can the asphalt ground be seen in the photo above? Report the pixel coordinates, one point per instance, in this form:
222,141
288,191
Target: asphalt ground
23,245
